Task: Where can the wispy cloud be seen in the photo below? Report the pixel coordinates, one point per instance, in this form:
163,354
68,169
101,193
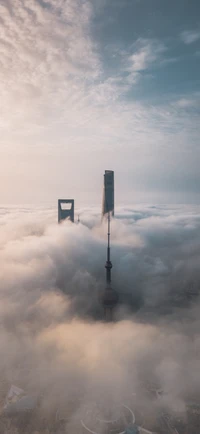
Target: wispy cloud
59,100
42,49
190,36
145,52
185,103
189,102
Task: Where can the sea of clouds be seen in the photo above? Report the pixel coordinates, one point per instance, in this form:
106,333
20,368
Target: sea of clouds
53,341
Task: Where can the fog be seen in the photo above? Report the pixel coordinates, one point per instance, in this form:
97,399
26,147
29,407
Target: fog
54,343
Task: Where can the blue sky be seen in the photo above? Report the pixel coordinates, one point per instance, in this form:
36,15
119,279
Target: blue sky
173,25
92,85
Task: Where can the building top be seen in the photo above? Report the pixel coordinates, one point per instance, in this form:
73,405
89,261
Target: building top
65,209
108,193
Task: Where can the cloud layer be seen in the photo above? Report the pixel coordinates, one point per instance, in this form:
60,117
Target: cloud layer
53,342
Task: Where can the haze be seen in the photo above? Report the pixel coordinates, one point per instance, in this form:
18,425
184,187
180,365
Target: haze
113,84
86,86
53,341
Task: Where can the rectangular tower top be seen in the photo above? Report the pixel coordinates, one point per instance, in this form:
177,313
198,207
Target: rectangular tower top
65,212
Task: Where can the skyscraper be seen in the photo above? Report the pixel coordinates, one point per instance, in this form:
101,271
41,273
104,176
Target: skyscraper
108,193
65,209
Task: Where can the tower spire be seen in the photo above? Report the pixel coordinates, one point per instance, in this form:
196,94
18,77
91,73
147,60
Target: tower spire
108,265
109,296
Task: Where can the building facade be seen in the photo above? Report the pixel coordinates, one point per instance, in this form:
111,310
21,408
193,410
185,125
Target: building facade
108,193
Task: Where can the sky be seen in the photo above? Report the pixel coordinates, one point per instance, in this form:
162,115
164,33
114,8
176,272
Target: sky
89,85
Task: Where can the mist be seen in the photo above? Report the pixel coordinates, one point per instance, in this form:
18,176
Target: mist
54,342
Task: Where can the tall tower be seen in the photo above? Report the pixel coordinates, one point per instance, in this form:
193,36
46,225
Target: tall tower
108,193
65,209
109,297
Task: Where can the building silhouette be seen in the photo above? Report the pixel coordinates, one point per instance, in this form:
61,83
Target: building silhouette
108,193
65,210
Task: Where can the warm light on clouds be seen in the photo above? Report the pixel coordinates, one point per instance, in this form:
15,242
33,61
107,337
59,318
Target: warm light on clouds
69,94
53,341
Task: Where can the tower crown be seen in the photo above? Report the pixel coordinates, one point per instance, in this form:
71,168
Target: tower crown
108,193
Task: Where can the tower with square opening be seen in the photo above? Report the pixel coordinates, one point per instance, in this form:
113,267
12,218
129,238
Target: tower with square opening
65,210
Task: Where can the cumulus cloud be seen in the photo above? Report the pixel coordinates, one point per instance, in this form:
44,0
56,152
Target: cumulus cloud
53,341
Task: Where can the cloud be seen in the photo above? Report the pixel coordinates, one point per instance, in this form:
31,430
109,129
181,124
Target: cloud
146,52
42,45
192,102
184,103
53,342
62,103
190,36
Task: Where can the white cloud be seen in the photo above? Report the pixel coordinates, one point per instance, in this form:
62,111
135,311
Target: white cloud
50,277
59,105
184,103
192,102
42,48
190,36
145,53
